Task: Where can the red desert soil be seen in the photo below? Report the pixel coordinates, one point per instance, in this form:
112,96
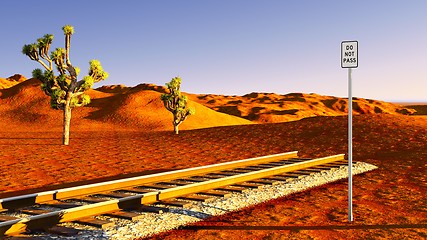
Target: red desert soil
110,139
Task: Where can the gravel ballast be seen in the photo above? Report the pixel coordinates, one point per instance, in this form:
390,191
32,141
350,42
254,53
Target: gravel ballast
153,223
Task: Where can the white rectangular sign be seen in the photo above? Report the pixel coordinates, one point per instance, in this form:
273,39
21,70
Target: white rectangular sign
349,54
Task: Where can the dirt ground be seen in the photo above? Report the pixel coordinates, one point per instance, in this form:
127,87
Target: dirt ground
389,203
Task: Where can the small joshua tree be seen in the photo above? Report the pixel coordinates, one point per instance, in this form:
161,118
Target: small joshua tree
64,90
176,103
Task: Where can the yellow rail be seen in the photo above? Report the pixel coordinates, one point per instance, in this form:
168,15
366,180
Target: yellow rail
53,218
31,199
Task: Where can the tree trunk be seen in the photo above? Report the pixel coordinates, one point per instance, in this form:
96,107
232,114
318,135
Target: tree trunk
175,123
175,128
67,120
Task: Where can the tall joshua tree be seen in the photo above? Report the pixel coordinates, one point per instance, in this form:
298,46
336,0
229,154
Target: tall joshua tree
64,90
176,103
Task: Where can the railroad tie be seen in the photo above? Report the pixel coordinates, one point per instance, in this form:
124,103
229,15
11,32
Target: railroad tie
152,209
233,189
264,166
91,221
61,230
227,173
115,194
216,193
155,186
334,165
138,190
270,165
282,178
249,169
291,161
213,176
305,172
265,181
291,176
61,205
125,215
175,203
257,167
34,211
280,163
248,185
198,198
300,173
88,199
237,171
176,182
4,218
194,179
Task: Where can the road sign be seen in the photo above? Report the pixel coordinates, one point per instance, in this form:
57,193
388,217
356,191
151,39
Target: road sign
349,54
349,59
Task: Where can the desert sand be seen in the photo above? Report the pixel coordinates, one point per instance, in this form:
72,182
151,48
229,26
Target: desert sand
126,131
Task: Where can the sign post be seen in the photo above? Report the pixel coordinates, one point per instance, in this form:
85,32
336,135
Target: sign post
349,59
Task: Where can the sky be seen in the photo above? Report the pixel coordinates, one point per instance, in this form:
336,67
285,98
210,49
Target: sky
232,47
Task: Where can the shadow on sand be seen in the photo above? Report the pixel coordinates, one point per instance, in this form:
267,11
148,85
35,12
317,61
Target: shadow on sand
299,228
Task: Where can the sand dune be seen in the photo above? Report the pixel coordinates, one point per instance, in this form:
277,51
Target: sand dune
25,103
273,108
11,81
143,109
140,107
270,107
133,108
421,108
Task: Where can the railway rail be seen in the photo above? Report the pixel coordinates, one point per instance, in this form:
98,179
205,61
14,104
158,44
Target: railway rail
45,210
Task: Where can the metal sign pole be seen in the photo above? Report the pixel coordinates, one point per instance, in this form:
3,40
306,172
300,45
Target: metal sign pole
350,149
350,59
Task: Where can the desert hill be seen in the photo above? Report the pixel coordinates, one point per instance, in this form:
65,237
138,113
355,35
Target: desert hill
420,108
271,107
140,108
11,81
25,104
113,88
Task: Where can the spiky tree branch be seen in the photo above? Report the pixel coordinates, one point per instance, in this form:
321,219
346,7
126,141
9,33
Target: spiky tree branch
68,31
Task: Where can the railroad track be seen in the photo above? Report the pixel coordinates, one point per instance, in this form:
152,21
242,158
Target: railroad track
44,211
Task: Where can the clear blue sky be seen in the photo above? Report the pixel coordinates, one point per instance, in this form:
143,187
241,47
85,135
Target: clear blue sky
233,46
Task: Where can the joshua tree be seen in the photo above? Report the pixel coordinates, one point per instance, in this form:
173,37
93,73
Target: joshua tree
176,103
64,90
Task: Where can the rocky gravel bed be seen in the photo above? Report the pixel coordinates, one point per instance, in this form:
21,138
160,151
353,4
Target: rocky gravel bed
153,223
